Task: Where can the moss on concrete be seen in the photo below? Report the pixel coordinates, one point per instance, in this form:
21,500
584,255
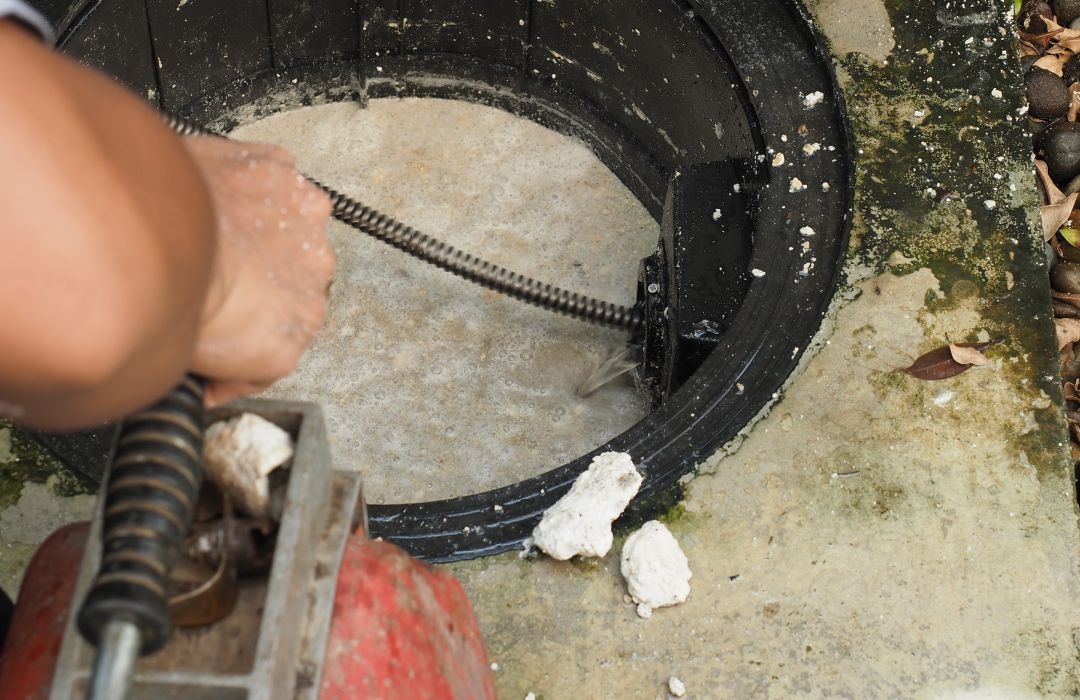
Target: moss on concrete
22,460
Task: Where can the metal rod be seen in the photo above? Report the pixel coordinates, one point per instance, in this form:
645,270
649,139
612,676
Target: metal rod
114,662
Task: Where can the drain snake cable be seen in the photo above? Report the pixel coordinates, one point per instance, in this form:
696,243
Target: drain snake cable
458,262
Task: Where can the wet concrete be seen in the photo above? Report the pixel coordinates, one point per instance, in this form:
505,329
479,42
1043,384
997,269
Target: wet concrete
872,535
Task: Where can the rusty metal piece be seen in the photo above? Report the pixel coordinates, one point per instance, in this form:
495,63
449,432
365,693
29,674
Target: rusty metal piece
247,542
210,600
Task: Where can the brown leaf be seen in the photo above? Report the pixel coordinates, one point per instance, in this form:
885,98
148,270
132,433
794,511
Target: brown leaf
1042,41
967,355
1071,394
1051,193
1068,331
1070,365
1054,216
1074,102
1026,49
1075,451
939,363
1073,299
1069,42
1065,310
1052,63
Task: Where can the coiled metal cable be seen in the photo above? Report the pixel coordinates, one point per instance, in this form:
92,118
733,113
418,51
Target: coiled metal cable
458,262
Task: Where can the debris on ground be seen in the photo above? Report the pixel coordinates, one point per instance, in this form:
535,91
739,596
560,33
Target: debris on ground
579,524
676,687
656,570
239,455
949,360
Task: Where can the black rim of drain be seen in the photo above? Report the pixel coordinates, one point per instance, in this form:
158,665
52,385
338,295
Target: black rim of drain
770,55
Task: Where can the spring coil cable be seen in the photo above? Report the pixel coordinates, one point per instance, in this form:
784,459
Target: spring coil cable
458,262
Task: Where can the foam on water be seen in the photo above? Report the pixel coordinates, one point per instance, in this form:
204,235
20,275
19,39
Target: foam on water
432,386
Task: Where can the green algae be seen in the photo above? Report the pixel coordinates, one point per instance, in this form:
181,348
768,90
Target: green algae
25,461
944,178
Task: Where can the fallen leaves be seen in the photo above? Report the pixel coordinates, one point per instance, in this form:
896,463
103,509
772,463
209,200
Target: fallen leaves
967,355
1059,206
1068,331
949,361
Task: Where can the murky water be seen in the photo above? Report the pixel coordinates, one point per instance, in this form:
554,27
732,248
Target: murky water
432,386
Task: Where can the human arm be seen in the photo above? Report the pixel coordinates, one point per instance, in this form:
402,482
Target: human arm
124,257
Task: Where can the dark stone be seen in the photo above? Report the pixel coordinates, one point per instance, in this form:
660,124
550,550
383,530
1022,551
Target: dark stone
1071,70
1065,277
1059,146
1047,95
1030,18
1066,11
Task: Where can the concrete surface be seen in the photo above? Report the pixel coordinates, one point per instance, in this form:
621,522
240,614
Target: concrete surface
431,386
873,536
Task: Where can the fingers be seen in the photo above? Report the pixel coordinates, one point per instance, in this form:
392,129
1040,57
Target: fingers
274,249
218,393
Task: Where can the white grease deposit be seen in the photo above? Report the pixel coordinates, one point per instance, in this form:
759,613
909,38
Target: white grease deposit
239,455
579,524
656,570
432,386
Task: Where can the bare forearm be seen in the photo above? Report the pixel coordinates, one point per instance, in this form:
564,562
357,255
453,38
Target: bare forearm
107,245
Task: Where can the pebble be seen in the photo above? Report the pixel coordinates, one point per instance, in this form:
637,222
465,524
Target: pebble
1070,72
1047,94
1059,146
1067,11
1065,277
676,687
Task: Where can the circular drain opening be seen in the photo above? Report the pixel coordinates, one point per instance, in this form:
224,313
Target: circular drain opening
653,88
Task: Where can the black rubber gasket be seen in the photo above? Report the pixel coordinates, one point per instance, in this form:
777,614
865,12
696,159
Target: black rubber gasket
768,50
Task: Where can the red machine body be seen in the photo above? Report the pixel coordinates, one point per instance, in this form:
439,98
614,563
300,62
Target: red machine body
400,628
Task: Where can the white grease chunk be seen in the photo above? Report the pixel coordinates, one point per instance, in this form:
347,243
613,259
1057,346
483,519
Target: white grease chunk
580,522
813,99
655,568
240,453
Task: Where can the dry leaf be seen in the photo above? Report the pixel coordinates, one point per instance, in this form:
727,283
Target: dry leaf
1042,41
1071,394
1054,216
1074,102
1068,331
967,355
1073,299
1069,40
939,363
1052,63
1051,193
1027,49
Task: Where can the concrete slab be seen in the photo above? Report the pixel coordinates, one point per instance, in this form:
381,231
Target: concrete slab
874,535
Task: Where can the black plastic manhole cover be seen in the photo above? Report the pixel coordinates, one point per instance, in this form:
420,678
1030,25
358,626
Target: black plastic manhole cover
734,97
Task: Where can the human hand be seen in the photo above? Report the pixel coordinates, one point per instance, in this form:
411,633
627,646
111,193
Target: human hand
274,267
